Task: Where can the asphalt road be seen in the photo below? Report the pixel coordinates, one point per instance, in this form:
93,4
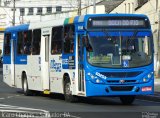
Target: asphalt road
13,100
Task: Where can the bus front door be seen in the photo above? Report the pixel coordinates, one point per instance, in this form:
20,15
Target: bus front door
45,64
80,64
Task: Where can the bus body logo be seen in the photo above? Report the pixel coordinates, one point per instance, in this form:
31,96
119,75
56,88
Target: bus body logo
56,66
122,81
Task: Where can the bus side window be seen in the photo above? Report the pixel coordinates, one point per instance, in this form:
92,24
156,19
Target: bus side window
20,49
7,44
69,39
56,44
36,42
27,42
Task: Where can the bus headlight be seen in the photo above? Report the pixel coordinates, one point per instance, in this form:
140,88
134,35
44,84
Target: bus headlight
95,79
144,79
148,77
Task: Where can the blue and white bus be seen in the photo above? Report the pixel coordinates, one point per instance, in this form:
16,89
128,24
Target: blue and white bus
90,55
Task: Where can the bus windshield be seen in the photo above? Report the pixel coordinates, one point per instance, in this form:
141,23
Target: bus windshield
119,51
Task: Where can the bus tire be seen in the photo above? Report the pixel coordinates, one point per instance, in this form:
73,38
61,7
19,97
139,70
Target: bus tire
26,91
67,92
127,100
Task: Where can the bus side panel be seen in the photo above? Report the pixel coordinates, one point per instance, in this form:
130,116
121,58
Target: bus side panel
7,74
20,64
56,74
18,74
34,72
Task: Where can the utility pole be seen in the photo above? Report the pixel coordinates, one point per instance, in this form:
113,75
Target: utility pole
79,7
94,6
158,44
14,9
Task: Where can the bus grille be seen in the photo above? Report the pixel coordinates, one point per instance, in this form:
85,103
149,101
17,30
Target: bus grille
117,81
121,88
121,74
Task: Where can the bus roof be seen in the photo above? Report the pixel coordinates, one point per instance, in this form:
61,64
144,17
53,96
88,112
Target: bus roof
17,28
85,17
50,23
65,21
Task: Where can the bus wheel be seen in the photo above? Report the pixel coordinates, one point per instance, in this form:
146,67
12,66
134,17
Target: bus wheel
26,91
67,92
127,100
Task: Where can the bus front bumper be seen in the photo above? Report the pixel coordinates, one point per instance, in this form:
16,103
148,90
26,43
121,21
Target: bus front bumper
93,89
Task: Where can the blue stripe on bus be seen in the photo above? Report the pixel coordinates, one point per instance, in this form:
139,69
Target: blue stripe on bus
13,31
76,19
119,33
111,33
144,34
7,59
17,28
21,59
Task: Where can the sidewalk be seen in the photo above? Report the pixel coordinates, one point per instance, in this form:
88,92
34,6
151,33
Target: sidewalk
157,85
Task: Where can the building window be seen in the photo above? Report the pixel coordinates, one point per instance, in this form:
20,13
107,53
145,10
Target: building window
39,11
49,9
125,8
30,11
58,8
140,3
129,8
22,11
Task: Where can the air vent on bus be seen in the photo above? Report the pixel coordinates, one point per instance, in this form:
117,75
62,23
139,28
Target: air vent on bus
121,88
121,74
117,81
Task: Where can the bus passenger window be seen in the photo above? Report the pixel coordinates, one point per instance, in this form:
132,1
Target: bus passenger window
20,49
69,39
36,42
56,43
7,44
27,42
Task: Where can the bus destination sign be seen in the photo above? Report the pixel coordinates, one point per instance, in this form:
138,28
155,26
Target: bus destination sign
118,23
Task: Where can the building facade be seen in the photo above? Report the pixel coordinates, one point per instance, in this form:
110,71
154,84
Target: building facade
27,11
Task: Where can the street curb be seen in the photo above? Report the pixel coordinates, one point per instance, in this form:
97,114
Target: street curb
155,97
